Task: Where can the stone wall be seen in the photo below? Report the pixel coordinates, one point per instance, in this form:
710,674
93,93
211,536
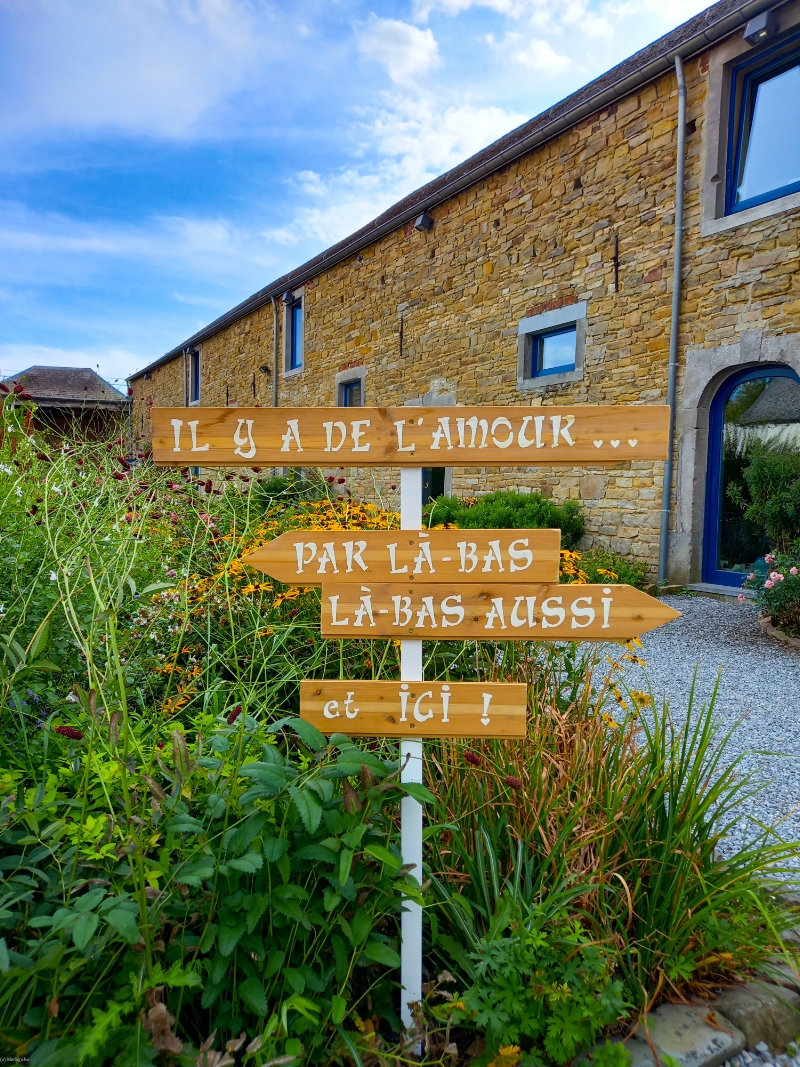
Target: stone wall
436,313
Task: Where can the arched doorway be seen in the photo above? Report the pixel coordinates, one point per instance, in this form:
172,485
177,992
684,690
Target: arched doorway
758,407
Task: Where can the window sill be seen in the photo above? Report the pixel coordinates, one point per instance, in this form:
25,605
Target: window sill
750,214
540,382
293,373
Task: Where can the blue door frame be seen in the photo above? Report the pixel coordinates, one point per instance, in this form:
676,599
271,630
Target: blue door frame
714,470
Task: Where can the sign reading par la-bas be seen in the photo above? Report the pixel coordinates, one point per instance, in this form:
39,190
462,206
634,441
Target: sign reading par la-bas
417,437
548,612
415,709
311,558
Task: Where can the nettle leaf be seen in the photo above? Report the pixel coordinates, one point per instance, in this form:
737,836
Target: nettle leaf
124,922
216,805
338,1009
418,792
249,863
84,928
384,855
345,862
274,847
195,873
89,900
229,937
256,910
176,977
239,838
317,852
308,733
322,788
253,995
381,953
185,824
308,807
360,924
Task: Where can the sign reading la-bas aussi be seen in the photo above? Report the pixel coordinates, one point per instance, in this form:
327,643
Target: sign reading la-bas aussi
417,437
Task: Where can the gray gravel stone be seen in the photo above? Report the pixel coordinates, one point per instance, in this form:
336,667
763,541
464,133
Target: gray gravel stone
683,1032
758,697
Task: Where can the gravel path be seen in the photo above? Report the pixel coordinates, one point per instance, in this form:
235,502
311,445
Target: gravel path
759,690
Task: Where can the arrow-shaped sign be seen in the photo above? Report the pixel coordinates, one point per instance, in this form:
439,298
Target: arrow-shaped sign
313,557
493,612
416,437
415,709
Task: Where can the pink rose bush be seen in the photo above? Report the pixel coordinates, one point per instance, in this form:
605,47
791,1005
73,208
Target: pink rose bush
777,593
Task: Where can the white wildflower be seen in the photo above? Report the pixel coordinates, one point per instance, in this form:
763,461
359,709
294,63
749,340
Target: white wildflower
53,576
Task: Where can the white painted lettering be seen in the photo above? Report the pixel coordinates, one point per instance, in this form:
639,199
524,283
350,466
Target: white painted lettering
193,430
426,612
329,445
447,611
363,610
551,610
606,601
328,556
352,554
522,440
241,441
400,446
357,433
347,703
496,614
417,713
300,549
393,560
424,555
487,699
442,432
515,619
402,604
445,694
472,425
582,609
493,555
520,554
176,429
538,422
404,694
468,550
329,708
292,434
503,421
334,605
561,431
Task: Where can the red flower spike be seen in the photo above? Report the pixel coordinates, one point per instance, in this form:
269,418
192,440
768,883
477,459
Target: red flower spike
331,479
18,389
119,475
25,396
43,457
256,470
472,758
4,388
70,732
209,486
512,782
340,481
234,715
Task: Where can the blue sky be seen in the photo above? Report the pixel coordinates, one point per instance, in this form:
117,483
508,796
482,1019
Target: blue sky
160,160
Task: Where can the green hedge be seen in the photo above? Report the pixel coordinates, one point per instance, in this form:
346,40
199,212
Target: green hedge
509,511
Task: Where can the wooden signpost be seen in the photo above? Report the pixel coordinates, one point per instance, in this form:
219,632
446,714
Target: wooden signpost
412,437
347,556
416,709
497,585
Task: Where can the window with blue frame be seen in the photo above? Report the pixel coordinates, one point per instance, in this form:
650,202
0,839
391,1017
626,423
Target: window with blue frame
194,376
552,351
351,394
295,325
764,131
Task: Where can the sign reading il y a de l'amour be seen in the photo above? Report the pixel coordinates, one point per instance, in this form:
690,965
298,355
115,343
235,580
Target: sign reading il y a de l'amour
407,436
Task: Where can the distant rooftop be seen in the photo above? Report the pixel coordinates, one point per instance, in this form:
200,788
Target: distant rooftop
68,387
780,402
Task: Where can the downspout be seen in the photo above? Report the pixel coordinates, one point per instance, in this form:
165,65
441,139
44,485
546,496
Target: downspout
274,352
674,325
185,386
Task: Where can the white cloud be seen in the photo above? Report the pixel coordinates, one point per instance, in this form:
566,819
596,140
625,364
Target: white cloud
113,364
406,51
541,57
149,66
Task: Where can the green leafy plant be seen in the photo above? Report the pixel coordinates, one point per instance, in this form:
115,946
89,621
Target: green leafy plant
777,592
541,983
770,493
509,511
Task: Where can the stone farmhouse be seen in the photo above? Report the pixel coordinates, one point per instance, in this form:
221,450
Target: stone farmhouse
637,243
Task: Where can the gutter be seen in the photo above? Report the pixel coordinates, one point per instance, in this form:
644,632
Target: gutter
674,324
723,27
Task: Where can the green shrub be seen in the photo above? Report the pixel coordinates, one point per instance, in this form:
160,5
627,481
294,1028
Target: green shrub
771,493
510,511
778,591
602,565
541,983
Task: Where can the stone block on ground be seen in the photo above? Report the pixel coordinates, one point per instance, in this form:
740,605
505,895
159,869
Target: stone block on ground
781,971
763,1012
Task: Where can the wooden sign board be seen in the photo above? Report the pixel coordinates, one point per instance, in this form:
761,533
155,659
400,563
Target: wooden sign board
492,612
415,709
406,436
311,557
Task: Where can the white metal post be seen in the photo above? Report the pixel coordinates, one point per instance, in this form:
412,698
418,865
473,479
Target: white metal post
411,760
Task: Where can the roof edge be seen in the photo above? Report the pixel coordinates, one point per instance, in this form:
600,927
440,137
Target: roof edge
564,117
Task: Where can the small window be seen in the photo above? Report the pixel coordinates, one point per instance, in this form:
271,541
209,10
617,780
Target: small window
552,352
194,376
294,319
351,394
764,155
